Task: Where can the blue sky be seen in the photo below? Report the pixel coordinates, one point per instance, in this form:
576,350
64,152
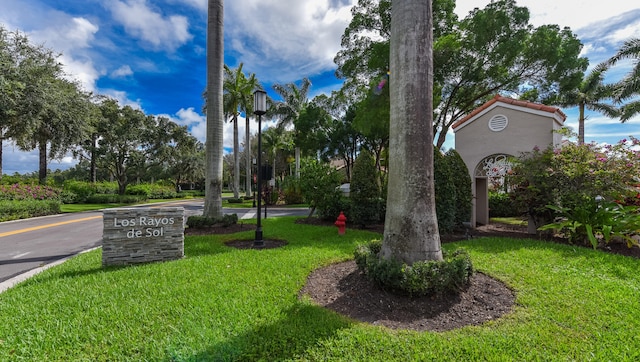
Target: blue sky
151,53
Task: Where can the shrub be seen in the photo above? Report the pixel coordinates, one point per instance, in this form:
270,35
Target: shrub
462,184
318,184
592,222
199,221
332,205
235,201
29,192
422,278
502,205
114,199
364,192
292,191
445,191
152,191
23,209
571,177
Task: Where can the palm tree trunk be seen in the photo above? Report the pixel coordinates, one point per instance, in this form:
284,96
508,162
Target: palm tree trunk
581,124
1,142
411,227
247,146
213,144
236,158
297,154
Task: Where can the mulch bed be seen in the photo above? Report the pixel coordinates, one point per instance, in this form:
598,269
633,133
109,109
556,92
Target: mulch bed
341,287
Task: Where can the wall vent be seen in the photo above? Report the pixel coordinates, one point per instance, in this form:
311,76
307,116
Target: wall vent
498,122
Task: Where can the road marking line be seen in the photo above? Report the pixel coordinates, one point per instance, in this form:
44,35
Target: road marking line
20,255
248,215
20,231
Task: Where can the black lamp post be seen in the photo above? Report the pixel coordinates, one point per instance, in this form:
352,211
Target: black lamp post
254,181
259,108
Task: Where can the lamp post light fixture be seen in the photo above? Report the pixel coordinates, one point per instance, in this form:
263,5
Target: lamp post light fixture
259,108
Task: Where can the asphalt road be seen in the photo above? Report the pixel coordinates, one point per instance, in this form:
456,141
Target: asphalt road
26,245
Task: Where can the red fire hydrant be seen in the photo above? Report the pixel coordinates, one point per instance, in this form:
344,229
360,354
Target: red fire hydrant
341,223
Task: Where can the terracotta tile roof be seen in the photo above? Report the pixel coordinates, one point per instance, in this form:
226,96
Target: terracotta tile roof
515,102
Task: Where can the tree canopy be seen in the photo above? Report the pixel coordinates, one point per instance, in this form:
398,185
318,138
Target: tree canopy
492,50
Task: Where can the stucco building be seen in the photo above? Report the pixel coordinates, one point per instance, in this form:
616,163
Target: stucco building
500,128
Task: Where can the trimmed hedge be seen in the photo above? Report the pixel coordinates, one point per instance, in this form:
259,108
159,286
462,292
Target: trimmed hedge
23,209
114,199
422,278
199,221
364,192
445,192
462,184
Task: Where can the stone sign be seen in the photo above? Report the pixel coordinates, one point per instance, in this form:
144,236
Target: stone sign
142,235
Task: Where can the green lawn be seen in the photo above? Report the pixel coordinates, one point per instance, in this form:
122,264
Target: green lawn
224,304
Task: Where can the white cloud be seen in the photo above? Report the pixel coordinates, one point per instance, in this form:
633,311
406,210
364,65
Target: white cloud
284,39
198,4
122,98
123,71
71,36
574,14
139,20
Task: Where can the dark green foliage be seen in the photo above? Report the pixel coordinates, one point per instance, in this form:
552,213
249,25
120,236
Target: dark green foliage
292,192
318,184
235,201
198,221
422,278
364,191
152,191
114,199
82,190
334,204
462,184
445,193
502,205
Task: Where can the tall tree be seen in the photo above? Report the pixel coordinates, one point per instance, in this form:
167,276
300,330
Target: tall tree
629,86
345,140
492,50
238,98
215,118
411,227
26,73
61,122
313,127
591,94
294,101
276,139
125,142
252,84
238,90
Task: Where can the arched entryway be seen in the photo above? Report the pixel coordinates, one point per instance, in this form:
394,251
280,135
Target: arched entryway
489,134
490,175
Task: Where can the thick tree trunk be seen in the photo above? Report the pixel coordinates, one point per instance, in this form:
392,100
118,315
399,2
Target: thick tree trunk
411,226
214,150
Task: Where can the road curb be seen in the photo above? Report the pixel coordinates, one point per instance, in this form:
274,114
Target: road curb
10,283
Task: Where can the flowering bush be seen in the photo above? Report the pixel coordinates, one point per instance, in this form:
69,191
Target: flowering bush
564,182
29,192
